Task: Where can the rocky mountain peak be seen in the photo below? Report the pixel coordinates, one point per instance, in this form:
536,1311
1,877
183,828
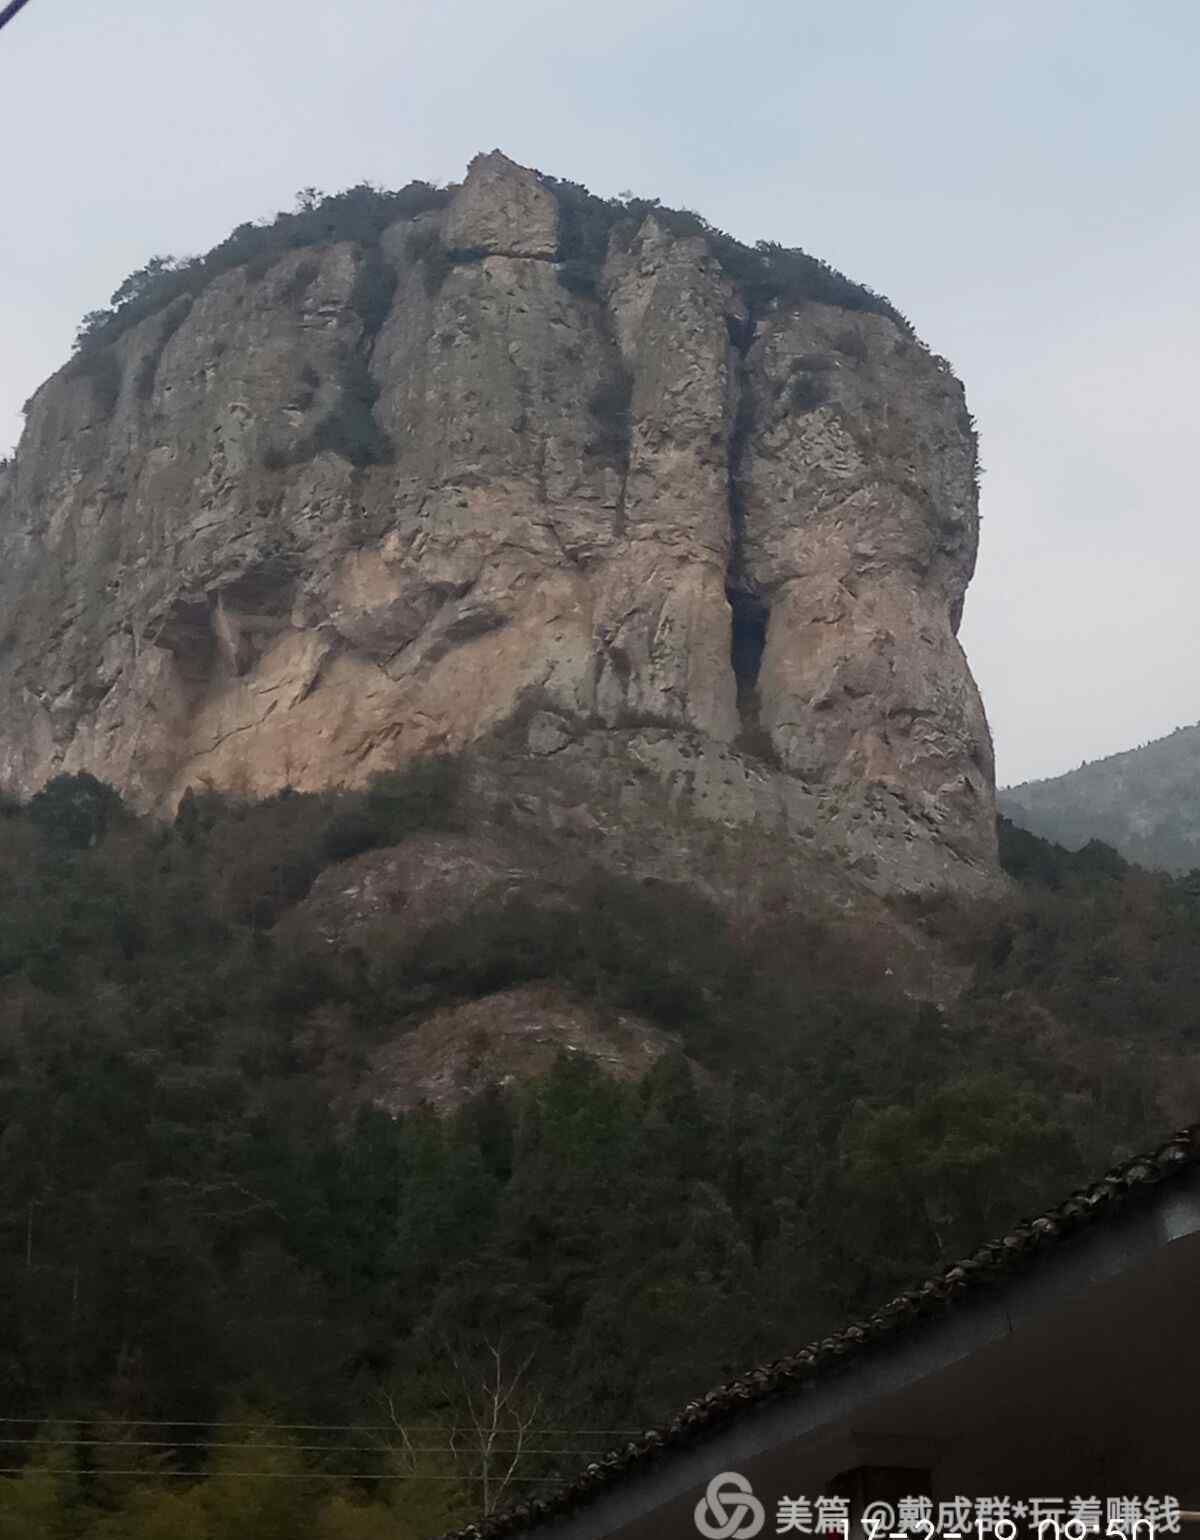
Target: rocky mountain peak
503,209
641,517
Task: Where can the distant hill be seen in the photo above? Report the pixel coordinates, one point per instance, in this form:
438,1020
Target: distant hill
1145,802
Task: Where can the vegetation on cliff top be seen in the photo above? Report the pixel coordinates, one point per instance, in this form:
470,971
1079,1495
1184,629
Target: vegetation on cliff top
190,1233
358,214
766,272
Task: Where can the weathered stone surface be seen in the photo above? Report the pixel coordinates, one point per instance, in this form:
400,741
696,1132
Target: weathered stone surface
863,687
511,1036
195,589
503,209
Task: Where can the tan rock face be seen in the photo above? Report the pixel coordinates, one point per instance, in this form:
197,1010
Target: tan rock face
862,684
511,1036
632,509
503,209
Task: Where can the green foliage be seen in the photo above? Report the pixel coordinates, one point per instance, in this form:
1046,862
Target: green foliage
302,279
260,265
766,273
75,811
1144,803
424,795
358,214
789,277
153,1513
610,405
374,286
351,429
426,247
41,1504
257,860
143,281
960,1161
585,222
252,1491
427,793
1031,859
806,391
256,1481
658,949
102,369
173,318
579,276
193,1216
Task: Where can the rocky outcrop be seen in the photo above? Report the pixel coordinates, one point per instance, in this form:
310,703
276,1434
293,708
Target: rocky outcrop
309,524
512,1036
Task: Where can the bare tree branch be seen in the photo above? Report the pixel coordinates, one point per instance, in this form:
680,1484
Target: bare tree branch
500,1415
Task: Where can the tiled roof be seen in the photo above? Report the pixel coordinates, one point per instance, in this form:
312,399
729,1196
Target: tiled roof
995,1262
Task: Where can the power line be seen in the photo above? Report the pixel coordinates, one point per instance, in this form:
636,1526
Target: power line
281,1475
264,1425
9,11
174,1443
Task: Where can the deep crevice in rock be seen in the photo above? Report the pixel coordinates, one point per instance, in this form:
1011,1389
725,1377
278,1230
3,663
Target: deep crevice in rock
611,403
747,643
749,611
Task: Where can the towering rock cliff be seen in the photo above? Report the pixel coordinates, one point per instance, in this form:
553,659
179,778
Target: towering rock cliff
640,528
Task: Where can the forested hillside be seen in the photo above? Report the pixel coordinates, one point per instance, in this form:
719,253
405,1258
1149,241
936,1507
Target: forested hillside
1145,803
221,1268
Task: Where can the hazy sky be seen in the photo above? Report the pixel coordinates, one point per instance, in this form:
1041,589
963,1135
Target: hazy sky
1021,180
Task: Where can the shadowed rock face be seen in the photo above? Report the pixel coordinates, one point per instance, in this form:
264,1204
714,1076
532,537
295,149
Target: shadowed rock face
647,526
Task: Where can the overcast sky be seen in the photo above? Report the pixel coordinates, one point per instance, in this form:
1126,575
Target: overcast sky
1020,179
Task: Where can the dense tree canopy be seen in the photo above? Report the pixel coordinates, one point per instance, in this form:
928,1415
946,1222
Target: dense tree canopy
202,1245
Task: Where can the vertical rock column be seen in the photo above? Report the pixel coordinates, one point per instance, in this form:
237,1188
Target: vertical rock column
663,615
860,529
486,363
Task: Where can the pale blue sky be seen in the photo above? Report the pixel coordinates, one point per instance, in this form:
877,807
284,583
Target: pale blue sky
1019,178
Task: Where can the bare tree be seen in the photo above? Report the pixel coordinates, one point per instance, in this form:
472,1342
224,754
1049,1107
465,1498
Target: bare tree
499,1412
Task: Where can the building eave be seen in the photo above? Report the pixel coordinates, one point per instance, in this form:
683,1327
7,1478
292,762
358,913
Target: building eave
1097,1233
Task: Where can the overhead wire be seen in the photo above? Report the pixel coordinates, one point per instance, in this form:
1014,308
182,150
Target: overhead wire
10,10
265,1424
283,1475
402,1431
173,1443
